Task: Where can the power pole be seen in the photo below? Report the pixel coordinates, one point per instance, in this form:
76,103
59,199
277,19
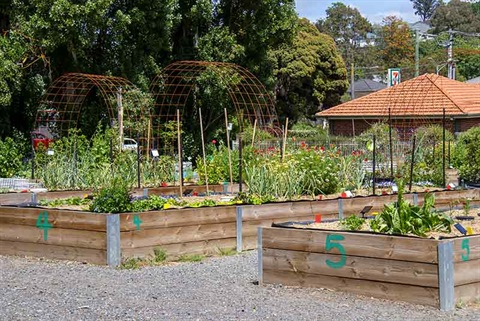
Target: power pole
417,54
451,64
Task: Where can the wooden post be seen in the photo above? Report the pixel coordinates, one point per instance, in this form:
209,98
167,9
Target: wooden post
180,161
148,137
229,151
114,255
203,149
285,139
374,164
254,129
120,116
412,161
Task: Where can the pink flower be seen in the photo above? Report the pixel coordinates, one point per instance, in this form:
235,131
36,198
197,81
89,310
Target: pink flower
214,141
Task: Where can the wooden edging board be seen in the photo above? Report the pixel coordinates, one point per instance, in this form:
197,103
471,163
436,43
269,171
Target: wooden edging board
107,238
432,272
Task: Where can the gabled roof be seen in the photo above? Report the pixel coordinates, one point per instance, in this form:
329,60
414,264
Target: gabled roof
367,85
475,80
423,96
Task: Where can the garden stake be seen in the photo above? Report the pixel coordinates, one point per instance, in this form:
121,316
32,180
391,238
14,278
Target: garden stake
285,139
240,163
203,149
138,160
254,128
390,139
411,165
373,165
180,161
229,152
120,116
443,151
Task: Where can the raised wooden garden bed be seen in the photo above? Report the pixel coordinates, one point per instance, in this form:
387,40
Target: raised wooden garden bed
432,272
107,238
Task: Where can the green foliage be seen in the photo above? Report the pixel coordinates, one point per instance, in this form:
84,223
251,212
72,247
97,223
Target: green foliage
308,132
66,201
11,154
132,263
159,255
467,155
112,199
317,78
405,218
352,223
226,251
456,15
425,8
218,170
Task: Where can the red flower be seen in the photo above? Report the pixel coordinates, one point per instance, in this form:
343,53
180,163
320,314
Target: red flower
214,141
322,148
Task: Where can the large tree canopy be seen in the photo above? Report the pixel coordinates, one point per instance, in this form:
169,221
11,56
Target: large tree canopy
425,8
456,15
347,27
310,73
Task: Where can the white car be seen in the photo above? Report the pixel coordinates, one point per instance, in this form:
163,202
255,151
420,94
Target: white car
129,144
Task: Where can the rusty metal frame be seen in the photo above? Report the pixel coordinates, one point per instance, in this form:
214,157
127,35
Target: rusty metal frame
61,106
172,88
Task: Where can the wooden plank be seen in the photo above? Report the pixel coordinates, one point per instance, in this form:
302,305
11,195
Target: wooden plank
356,244
209,247
467,293
383,290
174,235
57,252
250,227
384,270
181,217
444,198
290,209
466,248
17,198
58,218
55,236
467,272
356,204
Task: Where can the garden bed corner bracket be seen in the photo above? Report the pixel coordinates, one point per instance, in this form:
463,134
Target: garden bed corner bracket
446,276
114,254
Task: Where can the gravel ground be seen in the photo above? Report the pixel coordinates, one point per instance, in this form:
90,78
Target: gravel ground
219,288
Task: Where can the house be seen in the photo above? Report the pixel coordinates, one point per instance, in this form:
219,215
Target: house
364,87
410,104
475,80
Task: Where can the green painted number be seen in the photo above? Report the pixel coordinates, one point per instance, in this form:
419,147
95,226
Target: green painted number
466,247
42,223
331,244
137,221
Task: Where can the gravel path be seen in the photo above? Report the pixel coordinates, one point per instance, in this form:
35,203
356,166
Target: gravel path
220,288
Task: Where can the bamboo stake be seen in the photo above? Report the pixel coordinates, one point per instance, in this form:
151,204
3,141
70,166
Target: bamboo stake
203,149
148,137
229,152
285,139
180,163
254,129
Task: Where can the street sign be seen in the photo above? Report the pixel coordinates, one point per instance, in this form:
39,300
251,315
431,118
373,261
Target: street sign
394,76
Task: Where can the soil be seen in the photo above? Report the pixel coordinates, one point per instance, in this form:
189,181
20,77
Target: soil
474,224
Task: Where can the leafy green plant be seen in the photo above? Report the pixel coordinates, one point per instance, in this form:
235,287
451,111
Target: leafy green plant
352,223
159,255
112,199
226,251
467,155
405,218
132,263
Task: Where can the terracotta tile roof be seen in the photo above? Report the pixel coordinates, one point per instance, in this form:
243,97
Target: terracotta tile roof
424,96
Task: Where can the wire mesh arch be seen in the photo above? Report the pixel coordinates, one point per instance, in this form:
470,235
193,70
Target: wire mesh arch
62,105
172,88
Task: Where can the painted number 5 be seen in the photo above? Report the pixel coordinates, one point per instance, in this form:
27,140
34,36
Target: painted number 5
466,247
332,243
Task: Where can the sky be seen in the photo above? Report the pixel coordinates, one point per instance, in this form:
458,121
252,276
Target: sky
373,10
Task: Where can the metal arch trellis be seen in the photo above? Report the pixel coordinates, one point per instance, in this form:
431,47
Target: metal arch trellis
172,88
61,106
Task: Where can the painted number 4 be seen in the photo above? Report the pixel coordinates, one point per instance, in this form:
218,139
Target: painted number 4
333,243
42,223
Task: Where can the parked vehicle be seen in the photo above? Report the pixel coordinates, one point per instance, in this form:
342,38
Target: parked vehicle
129,144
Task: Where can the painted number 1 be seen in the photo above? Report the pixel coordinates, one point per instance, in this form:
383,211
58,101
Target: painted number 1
466,247
332,243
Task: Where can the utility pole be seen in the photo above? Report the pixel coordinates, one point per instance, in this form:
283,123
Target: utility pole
352,84
417,54
451,64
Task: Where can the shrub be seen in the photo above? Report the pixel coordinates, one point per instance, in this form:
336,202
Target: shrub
112,199
467,155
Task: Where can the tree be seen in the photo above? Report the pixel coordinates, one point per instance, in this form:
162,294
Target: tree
310,73
456,15
425,8
347,27
396,47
